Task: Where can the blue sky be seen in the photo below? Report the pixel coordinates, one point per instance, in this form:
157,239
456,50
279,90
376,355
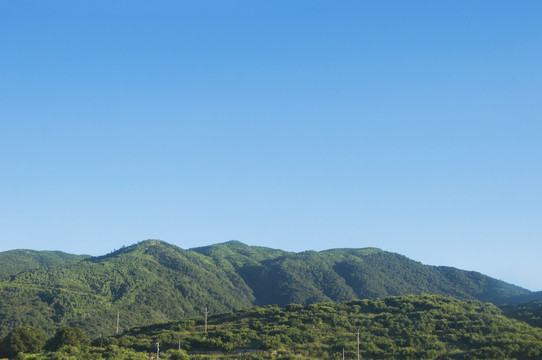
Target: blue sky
412,126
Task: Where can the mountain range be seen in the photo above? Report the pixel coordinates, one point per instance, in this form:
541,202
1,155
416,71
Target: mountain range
153,281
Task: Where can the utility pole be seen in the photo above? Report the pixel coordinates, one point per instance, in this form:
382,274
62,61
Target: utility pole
179,343
343,353
206,312
157,350
117,332
358,344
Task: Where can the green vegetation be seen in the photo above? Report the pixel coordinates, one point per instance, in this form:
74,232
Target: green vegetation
530,313
524,298
405,327
25,339
17,261
153,282
67,336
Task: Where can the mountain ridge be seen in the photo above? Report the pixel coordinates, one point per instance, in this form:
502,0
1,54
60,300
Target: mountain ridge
19,260
153,281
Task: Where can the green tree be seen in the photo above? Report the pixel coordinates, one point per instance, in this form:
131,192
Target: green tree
24,339
177,355
114,352
68,336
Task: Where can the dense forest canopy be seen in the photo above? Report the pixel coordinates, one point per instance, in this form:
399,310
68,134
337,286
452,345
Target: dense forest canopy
154,281
404,327
16,261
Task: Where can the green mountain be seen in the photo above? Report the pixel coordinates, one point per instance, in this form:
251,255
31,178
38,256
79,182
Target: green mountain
16,261
154,281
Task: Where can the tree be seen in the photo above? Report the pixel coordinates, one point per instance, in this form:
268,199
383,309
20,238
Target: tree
65,335
177,355
24,339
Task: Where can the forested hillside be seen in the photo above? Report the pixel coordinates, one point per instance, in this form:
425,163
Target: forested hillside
154,281
530,312
16,261
524,298
406,327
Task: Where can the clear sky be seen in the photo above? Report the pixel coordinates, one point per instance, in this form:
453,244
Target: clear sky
412,126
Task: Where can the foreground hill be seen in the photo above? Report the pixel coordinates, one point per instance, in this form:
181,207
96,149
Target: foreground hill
154,282
405,327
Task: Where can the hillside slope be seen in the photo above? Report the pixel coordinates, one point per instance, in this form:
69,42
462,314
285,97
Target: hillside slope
406,327
343,274
16,261
154,281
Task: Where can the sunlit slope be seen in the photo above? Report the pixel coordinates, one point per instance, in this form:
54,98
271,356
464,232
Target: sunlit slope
149,282
13,262
405,327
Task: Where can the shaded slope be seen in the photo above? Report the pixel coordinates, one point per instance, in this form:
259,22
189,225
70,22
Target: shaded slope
523,298
343,274
530,312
